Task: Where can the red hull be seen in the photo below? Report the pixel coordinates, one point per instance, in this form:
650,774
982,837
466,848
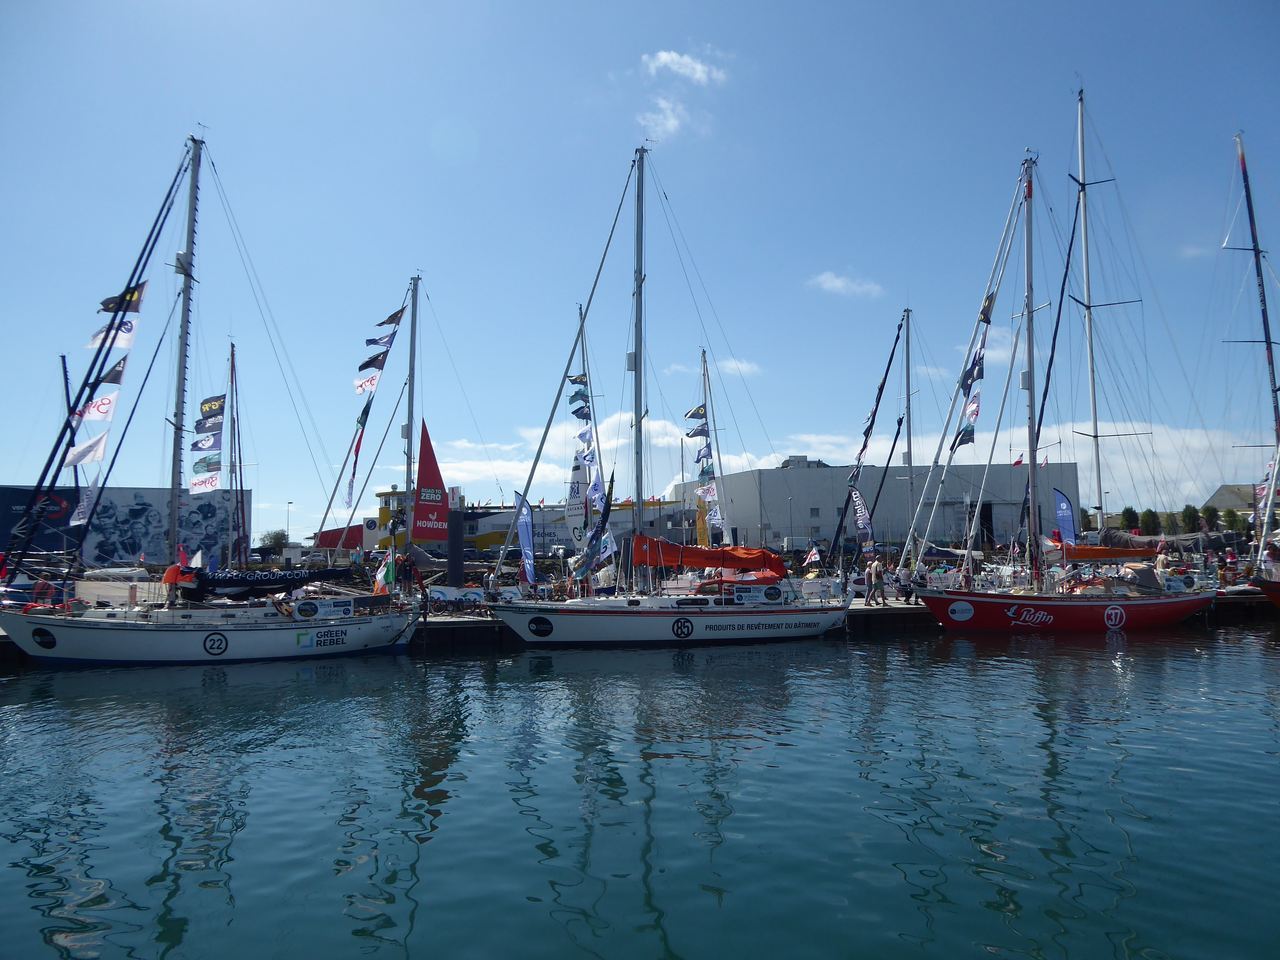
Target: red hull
966,610
1270,589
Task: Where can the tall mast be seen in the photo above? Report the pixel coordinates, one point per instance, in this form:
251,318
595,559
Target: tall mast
911,463
638,356
232,514
721,493
1262,293
185,265
409,423
1082,184
1029,384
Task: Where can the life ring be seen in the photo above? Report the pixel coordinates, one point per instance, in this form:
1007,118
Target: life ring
1189,581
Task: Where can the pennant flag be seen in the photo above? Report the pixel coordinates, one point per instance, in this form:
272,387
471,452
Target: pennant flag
206,484
584,435
704,453
965,433
708,471
974,370
707,491
99,408
367,384
385,578
579,378
700,430
355,455
130,301
697,413
1045,462
524,527
212,442
375,362
213,405
595,492
88,500
115,374
1066,516
125,331
384,341
984,314
1018,462
393,320
209,424
582,413
210,464
813,556
579,394
197,560
90,452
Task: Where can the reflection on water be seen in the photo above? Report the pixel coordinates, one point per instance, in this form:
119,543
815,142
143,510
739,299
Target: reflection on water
1027,796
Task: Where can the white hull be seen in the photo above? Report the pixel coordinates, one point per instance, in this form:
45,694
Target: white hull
213,635
593,622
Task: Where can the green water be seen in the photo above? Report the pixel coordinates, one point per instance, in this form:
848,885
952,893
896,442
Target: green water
898,798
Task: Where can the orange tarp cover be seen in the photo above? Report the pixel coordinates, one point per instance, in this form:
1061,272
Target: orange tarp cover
655,552
1086,552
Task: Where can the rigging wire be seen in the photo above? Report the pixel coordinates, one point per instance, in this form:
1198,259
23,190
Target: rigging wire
289,378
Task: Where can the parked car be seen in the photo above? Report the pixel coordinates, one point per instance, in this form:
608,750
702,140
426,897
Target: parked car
255,558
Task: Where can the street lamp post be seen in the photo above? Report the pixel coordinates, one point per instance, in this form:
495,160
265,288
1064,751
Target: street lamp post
288,507
791,527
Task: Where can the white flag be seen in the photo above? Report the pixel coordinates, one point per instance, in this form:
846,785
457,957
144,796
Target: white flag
99,408
198,559
367,384
90,452
123,340
206,484
714,518
607,547
87,498
707,491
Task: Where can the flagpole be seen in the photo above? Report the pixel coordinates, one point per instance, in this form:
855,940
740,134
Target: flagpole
1029,384
409,422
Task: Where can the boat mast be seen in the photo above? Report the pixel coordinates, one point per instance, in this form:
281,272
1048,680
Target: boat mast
233,513
409,424
911,463
1262,293
1029,384
637,359
1081,185
185,265
721,494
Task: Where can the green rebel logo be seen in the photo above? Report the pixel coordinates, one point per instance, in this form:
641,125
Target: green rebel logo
332,637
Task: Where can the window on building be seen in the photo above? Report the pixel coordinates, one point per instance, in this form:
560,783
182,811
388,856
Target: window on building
815,512
472,529
815,531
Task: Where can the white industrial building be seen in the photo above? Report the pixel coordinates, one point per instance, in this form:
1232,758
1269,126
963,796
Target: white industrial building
801,500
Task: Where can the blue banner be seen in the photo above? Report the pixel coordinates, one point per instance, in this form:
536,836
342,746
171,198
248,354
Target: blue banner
1066,515
524,528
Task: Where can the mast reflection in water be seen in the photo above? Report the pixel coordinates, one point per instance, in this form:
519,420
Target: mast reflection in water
942,797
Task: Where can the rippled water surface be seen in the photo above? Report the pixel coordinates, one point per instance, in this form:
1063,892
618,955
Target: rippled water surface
913,797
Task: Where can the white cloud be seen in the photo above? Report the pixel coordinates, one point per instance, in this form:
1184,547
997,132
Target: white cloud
1193,251
845,286
683,65
470,445
745,368
936,373
677,368
665,120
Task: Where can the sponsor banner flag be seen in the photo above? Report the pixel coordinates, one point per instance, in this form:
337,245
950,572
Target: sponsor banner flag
584,435
210,464
89,452
376,362
582,413
88,499
524,527
99,408
212,406
383,341
430,500
579,394
588,457
115,374
367,384
1066,516
704,453
575,504
701,430
210,424
984,314
714,517
126,329
129,302
708,471
697,413
973,372
393,320
965,433
707,491
861,512
209,443
595,492
580,379
206,484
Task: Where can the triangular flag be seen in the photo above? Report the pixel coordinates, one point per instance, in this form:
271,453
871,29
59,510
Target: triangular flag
90,452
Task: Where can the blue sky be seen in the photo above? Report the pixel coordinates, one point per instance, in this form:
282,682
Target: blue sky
828,164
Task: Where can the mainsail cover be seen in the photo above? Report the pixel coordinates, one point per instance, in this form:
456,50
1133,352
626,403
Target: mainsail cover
257,583
656,552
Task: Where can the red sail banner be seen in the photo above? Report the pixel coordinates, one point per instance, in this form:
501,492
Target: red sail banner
431,502
654,552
